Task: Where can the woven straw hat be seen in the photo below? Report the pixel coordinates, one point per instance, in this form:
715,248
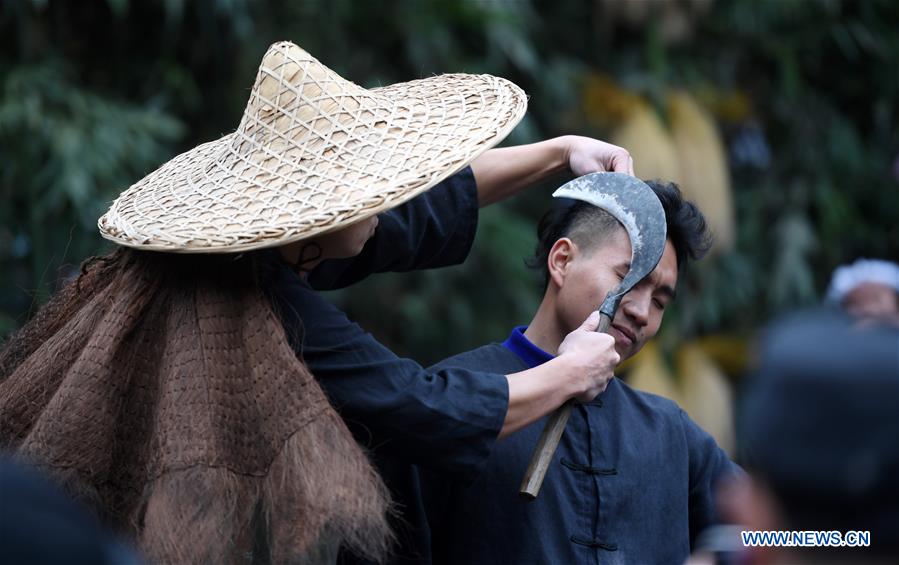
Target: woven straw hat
313,153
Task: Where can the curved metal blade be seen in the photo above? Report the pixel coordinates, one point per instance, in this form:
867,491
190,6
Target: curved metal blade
639,211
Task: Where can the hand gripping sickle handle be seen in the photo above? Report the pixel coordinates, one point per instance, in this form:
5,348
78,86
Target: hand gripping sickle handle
639,211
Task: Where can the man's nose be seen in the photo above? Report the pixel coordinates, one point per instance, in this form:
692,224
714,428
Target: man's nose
636,306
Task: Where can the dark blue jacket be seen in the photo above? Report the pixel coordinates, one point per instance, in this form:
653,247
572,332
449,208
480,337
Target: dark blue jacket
632,482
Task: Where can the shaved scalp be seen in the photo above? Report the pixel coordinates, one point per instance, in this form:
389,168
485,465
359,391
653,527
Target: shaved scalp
584,224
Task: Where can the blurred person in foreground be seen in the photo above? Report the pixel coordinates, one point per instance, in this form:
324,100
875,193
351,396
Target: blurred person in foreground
40,525
632,480
194,387
867,289
819,435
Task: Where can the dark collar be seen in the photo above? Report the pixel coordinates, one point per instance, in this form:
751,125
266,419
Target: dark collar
518,344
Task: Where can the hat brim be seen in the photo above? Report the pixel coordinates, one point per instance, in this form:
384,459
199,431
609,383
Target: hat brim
237,194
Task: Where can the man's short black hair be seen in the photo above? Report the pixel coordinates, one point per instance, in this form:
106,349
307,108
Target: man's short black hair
586,225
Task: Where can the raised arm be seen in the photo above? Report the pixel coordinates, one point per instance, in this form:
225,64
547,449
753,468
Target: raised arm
437,228
505,171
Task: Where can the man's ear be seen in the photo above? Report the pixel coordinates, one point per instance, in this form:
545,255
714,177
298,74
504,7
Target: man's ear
558,262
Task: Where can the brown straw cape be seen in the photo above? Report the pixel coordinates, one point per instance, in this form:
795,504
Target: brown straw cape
313,153
161,389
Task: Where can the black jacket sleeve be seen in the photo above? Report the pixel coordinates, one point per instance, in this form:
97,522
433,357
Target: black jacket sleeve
435,229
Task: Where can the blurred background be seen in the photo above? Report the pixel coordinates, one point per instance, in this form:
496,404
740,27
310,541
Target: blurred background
780,118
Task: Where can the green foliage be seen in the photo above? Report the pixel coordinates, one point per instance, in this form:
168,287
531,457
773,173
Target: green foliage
67,152
815,74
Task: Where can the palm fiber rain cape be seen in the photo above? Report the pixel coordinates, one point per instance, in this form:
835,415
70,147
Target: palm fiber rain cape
161,389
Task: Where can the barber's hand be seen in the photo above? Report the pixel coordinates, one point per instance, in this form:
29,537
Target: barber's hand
588,155
593,357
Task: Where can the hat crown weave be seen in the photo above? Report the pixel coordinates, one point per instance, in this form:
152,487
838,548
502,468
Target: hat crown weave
314,152
292,93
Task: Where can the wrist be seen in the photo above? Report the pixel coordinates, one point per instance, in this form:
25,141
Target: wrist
571,381
562,151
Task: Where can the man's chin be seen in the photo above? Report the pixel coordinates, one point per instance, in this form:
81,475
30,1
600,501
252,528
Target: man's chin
624,352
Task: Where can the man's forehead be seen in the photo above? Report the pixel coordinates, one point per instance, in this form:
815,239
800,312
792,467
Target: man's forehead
665,273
